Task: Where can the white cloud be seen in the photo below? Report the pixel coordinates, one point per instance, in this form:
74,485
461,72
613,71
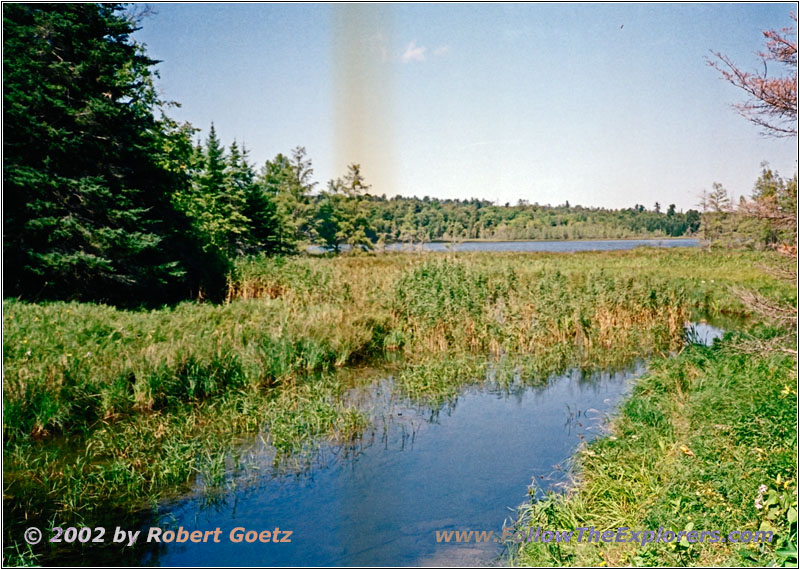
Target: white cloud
414,53
442,50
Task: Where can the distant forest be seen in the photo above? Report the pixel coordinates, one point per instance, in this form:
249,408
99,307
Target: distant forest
429,219
107,198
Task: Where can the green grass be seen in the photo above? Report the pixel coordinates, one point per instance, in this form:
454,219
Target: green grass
690,448
107,411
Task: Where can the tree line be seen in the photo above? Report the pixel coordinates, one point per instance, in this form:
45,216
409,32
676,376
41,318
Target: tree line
277,210
765,220
108,198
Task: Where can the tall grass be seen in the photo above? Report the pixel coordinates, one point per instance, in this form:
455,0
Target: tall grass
111,409
701,433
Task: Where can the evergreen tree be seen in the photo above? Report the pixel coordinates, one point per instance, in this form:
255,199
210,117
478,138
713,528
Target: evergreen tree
718,219
87,195
328,222
349,212
215,201
718,199
275,180
240,178
288,181
262,234
299,213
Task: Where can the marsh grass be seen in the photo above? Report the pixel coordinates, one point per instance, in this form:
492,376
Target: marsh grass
109,411
127,466
701,432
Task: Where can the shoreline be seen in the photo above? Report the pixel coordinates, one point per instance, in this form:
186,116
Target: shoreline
489,240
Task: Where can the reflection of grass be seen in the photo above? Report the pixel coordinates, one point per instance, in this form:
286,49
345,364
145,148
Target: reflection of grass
435,382
107,408
700,434
117,464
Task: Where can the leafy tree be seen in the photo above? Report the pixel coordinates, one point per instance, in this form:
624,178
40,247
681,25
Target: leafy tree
693,221
772,211
413,219
772,105
771,216
87,190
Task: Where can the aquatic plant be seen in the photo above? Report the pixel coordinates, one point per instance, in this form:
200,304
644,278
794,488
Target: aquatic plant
108,410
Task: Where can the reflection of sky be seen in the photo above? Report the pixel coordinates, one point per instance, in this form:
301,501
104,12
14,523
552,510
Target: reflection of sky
703,333
467,467
598,104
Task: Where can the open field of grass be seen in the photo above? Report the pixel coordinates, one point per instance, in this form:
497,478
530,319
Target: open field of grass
107,411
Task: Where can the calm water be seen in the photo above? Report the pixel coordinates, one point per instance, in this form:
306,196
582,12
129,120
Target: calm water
467,467
554,246
464,466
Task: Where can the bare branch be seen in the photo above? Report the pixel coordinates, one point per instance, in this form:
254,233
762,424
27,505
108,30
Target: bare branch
772,102
783,273
760,346
767,308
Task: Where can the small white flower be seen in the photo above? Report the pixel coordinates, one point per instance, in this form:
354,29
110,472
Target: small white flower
758,504
762,489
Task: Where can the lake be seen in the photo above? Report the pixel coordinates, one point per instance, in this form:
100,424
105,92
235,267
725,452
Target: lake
566,246
553,246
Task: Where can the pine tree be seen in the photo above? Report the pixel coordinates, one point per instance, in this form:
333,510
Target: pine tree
288,181
328,222
88,212
262,234
240,177
216,201
343,217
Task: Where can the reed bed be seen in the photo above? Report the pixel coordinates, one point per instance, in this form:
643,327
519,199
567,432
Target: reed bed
108,410
707,441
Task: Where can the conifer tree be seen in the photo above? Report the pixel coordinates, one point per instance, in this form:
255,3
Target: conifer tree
262,231
88,211
288,181
216,200
343,215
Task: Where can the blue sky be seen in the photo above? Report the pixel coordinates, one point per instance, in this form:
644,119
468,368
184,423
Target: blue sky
598,104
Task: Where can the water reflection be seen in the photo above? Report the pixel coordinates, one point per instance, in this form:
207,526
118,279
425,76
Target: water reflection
465,465
704,333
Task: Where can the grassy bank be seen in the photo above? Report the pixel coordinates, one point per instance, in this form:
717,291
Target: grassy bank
107,411
707,441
